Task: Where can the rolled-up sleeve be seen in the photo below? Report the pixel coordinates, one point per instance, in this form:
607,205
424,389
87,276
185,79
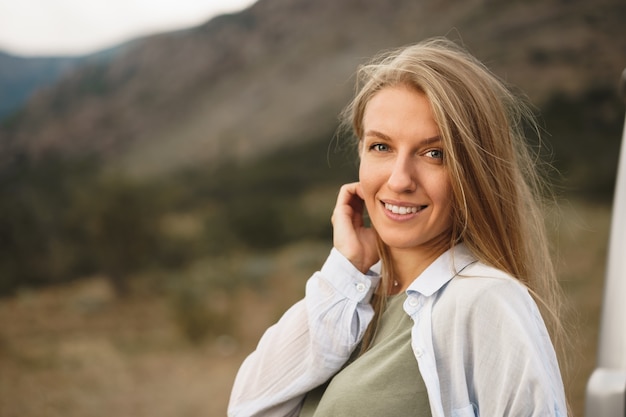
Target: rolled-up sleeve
309,344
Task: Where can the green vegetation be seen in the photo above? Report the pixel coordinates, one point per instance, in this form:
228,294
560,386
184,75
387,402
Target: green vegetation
61,220
584,134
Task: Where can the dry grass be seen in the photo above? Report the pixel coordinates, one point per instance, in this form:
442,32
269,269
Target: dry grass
76,350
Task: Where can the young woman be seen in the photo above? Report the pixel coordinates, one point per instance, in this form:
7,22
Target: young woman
440,306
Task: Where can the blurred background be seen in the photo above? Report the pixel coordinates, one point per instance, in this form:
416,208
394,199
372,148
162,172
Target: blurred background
164,196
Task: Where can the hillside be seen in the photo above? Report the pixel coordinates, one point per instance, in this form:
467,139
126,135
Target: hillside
245,84
20,77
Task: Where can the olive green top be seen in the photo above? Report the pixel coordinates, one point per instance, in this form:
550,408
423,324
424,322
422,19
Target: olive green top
384,381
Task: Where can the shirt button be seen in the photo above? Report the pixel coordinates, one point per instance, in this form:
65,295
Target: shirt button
413,302
360,287
419,353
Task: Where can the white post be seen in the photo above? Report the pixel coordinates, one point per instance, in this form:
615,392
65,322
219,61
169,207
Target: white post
606,389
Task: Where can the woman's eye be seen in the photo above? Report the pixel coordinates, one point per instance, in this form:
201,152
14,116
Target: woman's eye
435,153
380,147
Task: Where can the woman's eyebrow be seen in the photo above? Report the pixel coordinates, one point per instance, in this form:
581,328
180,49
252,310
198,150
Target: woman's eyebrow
380,135
377,134
430,141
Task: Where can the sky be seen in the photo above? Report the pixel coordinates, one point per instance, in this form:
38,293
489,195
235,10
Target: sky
76,27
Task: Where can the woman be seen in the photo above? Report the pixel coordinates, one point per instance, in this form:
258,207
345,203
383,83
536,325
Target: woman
428,311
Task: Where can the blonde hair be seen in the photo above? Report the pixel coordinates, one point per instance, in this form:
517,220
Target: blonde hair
498,190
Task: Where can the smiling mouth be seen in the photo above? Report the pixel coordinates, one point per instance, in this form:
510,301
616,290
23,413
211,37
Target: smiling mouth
403,209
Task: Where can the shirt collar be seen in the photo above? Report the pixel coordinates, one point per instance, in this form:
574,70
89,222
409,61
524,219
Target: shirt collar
442,270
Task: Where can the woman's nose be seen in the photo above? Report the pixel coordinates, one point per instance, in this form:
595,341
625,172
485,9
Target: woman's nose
402,177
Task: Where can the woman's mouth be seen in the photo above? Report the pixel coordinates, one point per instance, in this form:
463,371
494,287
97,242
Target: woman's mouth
403,209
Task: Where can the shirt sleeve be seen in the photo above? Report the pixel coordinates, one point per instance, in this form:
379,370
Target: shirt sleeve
308,345
523,374
509,367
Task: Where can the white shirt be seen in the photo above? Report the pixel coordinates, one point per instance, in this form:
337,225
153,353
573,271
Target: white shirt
478,338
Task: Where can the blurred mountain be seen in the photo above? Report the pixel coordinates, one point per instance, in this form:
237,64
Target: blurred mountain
20,77
278,73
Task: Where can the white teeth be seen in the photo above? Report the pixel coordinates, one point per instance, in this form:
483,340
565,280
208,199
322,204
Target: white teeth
401,210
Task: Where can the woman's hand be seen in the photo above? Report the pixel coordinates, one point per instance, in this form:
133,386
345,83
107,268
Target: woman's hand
350,236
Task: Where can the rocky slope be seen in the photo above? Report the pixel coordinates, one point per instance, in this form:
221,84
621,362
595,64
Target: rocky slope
245,84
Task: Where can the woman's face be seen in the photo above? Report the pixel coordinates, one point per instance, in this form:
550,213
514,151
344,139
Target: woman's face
404,182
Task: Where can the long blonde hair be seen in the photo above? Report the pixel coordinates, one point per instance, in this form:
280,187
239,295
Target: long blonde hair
498,190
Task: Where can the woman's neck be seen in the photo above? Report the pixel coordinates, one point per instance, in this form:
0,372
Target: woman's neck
408,264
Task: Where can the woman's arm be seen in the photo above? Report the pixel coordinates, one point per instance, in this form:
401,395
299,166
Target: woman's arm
316,336
497,352
518,372
308,345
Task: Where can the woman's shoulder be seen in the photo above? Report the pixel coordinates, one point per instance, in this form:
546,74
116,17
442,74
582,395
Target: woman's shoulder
484,301
480,286
484,277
